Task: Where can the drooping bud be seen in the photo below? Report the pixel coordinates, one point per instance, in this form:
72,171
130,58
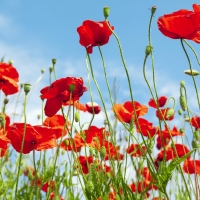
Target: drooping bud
42,70
77,116
53,61
103,152
182,83
192,72
5,101
170,113
180,112
106,12
195,144
90,186
183,103
148,50
27,88
153,9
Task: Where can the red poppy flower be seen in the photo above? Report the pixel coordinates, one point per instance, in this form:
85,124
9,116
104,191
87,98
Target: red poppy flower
161,102
90,106
49,185
164,138
52,195
171,25
3,151
93,34
4,141
181,150
164,114
73,144
125,112
140,187
56,123
112,152
195,121
29,170
191,166
84,161
36,137
95,136
135,151
59,91
145,128
8,79
196,8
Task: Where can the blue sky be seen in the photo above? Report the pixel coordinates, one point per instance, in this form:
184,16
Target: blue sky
32,33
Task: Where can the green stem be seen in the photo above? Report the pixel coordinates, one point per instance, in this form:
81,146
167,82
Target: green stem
22,146
189,62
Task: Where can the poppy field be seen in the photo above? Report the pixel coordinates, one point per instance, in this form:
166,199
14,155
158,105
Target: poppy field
131,156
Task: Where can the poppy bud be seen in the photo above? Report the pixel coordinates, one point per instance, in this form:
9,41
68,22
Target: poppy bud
21,85
77,117
196,135
180,112
183,103
50,69
53,61
6,100
38,116
27,88
170,112
195,144
106,12
90,186
182,83
42,70
148,50
181,130
153,9
93,108
191,72
91,151
103,152
108,174
10,62
66,142
117,197
71,87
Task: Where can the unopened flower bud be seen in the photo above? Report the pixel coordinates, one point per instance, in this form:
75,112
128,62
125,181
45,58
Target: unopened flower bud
90,186
192,72
77,116
27,88
117,197
195,144
148,50
53,61
181,130
6,100
196,135
106,12
42,70
38,116
72,87
182,83
66,142
21,85
91,150
170,112
103,152
180,112
153,9
187,119
50,69
10,62
183,103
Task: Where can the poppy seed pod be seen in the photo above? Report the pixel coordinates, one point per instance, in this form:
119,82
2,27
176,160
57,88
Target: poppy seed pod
191,72
53,61
195,144
93,107
6,100
153,9
106,12
27,88
72,87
